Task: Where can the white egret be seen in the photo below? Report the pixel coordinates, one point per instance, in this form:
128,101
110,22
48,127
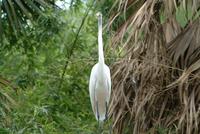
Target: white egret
100,81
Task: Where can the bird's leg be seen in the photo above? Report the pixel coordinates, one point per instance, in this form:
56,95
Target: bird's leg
100,129
97,107
106,116
110,128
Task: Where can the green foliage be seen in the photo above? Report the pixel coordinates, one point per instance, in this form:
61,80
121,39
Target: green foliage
34,62
18,13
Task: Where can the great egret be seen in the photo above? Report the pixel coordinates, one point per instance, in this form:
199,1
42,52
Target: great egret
100,81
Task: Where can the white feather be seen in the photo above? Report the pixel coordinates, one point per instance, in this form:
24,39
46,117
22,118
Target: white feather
100,81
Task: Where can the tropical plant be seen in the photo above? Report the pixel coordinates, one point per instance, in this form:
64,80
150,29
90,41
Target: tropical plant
156,83
18,12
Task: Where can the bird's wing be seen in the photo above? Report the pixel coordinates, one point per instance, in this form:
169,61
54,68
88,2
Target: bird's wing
108,80
92,86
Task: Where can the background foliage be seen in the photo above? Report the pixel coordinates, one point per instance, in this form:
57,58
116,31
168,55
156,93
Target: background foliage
37,99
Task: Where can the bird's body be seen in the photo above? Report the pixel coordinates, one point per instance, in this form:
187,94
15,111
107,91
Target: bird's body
100,85
100,81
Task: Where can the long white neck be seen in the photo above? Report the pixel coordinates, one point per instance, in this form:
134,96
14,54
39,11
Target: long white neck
100,40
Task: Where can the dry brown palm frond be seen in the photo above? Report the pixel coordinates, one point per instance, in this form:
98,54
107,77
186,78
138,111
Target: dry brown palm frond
157,83
185,44
171,29
184,54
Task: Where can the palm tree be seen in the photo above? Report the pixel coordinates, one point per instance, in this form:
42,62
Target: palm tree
156,85
17,12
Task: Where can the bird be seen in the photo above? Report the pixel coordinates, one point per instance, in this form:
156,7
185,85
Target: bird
100,81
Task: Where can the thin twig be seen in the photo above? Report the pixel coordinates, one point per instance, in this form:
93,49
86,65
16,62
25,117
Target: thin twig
74,44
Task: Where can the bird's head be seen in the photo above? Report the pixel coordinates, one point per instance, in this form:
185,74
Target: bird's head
99,14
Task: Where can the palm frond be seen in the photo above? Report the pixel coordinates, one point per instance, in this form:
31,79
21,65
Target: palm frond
162,56
16,12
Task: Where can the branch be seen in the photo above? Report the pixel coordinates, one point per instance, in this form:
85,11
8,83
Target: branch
74,44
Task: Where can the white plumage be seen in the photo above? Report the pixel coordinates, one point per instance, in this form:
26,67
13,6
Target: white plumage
100,81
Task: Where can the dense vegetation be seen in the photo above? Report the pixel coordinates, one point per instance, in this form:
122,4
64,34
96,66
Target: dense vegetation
45,66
